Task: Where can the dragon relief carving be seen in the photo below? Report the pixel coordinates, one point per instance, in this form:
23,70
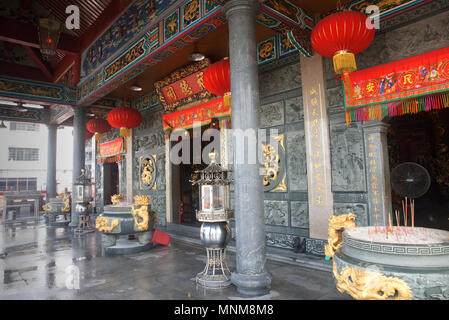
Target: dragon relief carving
147,171
67,206
142,212
367,285
102,224
116,199
336,224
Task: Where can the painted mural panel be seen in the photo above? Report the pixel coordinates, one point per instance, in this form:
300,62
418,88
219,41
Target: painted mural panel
138,16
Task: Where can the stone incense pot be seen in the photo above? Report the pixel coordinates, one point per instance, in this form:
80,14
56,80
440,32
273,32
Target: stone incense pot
382,263
127,228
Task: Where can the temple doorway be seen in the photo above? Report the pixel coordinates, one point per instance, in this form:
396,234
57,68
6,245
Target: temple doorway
111,181
186,194
423,138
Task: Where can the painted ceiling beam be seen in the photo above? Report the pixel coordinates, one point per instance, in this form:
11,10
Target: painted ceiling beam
35,55
108,16
26,34
21,71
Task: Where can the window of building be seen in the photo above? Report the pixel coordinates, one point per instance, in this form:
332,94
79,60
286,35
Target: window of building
23,154
23,126
18,184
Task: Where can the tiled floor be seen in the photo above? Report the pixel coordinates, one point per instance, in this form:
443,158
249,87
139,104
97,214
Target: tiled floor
35,263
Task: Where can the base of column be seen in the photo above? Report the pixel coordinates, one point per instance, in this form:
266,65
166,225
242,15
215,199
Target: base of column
252,284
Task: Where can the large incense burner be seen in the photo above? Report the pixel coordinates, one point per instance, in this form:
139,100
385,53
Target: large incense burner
58,211
393,262
127,228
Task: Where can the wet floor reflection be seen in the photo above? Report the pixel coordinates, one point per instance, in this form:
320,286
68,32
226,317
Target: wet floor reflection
40,262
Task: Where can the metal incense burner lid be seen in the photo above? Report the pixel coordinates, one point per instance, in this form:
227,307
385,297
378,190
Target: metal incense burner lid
214,179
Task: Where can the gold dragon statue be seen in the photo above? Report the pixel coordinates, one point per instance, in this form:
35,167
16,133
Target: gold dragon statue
116,198
102,224
369,285
142,212
47,208
336,224
67,207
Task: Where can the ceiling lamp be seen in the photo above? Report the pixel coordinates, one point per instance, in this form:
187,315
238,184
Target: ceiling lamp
341,36
196,55
124,118
217,79
98,127
136,88
34,106
49,32
19,108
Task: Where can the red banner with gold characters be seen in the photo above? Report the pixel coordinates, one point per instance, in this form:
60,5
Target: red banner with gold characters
111,148
183,86
202,114
384,88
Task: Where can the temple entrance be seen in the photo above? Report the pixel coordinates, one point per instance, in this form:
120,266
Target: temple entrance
186,194
423,138
111,181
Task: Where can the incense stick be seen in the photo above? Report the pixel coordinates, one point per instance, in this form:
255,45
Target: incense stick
412,206
406,212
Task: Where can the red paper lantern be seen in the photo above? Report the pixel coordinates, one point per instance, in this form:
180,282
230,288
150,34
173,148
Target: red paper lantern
217,79
341,36
124,118
99,127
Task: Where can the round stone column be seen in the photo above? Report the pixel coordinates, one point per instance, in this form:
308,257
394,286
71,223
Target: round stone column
51,161
251,276
79,137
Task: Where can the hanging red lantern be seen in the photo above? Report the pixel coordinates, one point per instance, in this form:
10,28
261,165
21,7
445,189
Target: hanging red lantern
217,79
98,127
124,118
341,36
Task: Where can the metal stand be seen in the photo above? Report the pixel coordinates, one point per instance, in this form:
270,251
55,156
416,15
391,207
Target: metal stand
216,274
83,225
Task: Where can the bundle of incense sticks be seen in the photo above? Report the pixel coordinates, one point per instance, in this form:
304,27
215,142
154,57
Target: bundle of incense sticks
406,212
397,218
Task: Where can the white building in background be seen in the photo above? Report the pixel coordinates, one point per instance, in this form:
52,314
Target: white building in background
23,157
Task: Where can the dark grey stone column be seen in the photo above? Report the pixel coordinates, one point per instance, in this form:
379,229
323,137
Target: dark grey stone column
251,276
51,161
79,137
379,190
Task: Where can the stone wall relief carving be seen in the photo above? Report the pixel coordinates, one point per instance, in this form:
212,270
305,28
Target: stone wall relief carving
347,154
296,161
276,212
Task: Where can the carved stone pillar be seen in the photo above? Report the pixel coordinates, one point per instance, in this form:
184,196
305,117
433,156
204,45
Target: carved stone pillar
51,161
378,170
250,276
316,127
79,137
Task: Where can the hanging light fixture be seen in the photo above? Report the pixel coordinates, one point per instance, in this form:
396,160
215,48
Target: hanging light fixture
196,55
49,32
